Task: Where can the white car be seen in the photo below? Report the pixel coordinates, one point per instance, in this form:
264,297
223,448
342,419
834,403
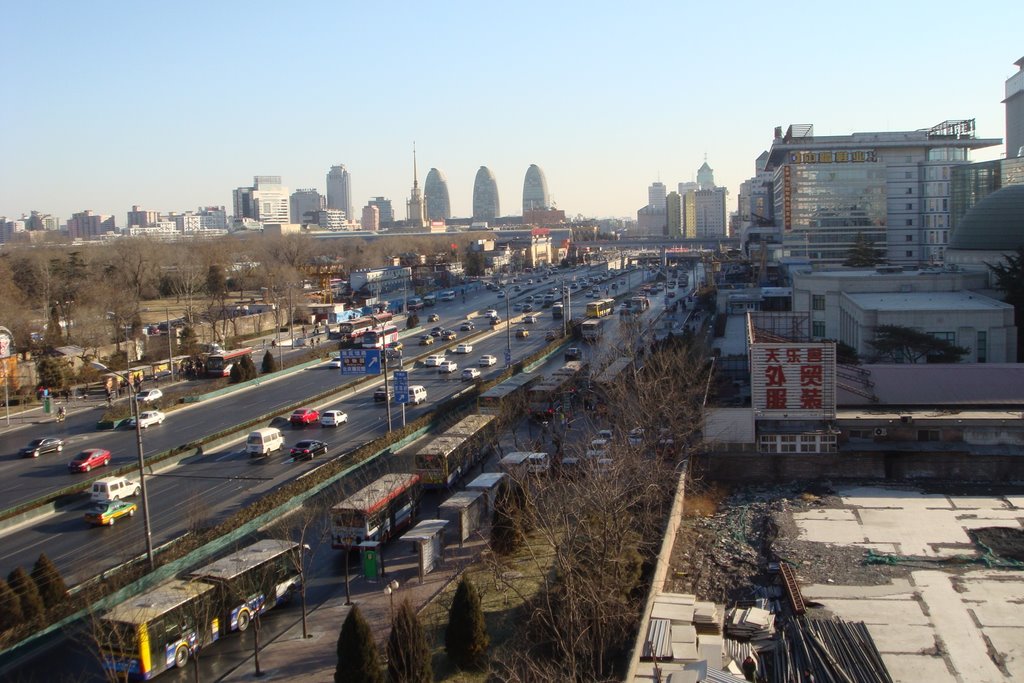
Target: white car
335,362
447,366
333,418
149,395
464,348
434,360
487,361
150,417
490,313
470,374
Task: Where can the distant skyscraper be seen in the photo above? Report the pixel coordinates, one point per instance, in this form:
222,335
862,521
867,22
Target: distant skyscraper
705,177
656,197
415,208
371,218
306,206
339,190
485,196
674,215
142,218
87,225
535,190
266,201
1015,112
435,191
387,214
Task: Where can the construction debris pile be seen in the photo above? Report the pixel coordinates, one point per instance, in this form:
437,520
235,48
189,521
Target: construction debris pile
754,624
830,650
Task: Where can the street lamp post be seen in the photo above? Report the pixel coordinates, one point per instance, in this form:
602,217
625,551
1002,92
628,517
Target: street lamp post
348,556
132,396
389,590
508,332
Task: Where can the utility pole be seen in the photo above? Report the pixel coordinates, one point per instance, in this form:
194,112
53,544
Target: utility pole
387,393
170,343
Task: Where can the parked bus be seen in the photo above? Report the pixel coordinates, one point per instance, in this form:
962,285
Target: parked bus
252,580
556,310
446,458
378,339
219,364
506,395
351,331
548,396
165,626
600,308
376,512
590,330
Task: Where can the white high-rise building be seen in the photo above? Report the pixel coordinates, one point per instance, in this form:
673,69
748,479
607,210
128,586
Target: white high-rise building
656,194
339,190
266,201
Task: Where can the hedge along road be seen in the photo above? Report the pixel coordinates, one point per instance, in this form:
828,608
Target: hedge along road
203,489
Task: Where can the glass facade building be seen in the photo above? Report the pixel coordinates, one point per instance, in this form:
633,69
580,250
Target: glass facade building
435,191
485,196
535,190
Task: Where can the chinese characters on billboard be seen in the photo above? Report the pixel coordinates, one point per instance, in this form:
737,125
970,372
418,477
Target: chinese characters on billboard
793,380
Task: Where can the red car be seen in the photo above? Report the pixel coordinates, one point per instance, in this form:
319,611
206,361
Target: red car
304,416
89,458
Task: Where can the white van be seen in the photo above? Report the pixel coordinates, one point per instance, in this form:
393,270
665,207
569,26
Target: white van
114,488
264,441
417,394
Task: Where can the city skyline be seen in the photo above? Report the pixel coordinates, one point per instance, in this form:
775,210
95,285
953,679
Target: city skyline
592,110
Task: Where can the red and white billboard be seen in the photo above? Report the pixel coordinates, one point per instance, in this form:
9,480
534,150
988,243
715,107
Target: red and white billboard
796,381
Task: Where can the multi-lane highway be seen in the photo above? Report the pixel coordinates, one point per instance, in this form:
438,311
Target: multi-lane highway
201,489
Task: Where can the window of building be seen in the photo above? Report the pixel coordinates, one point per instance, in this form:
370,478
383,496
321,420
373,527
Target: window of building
818,302
909,254
909,221
910,238
928,434
787,443
808,443
818,328
907,174
982,346
910,190
910,206
945,336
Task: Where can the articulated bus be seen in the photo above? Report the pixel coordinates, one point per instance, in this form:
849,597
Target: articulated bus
600,308
376,512
379,338
165,626
219,364
351,331
548,396
509,395
446,458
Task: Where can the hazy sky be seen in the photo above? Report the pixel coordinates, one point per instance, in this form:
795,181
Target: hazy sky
172,105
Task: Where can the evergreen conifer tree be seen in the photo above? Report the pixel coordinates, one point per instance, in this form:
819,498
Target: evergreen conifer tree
465,638
269,363
248,369
52,588
236,373
408,653
358,659
506,535
10,607
32,608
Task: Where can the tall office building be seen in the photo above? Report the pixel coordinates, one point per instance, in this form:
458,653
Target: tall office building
386,212
535,190
416,208
656,194
266,201
306,205
705,176
1015,112
435,192
485,196
892,188
339,190
674,215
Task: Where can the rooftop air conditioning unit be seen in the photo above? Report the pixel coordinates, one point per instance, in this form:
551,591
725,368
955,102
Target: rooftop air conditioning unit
879,431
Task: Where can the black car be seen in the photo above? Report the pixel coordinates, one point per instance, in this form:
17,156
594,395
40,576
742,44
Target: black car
37,447
380,395
307,449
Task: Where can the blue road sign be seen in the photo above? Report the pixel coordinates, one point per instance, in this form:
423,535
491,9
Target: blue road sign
372,361
401,386
353,361
508,358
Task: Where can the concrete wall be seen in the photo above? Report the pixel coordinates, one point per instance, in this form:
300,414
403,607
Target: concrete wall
748,468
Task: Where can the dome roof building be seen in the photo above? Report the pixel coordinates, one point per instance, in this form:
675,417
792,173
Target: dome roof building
535,190
435,190
485,196
991,229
